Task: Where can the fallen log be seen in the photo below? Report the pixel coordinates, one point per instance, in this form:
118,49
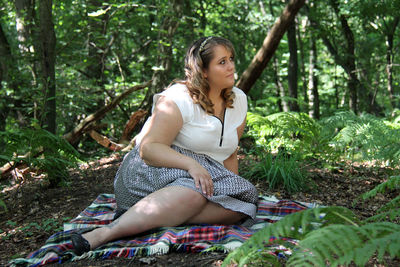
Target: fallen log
131,124
105,141
73,136
87,125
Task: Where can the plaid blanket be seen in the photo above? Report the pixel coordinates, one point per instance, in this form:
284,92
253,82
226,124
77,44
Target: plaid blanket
192,238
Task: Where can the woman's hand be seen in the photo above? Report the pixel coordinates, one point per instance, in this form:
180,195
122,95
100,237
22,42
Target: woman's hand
202,178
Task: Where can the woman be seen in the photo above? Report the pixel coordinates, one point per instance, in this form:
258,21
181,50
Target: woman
183,169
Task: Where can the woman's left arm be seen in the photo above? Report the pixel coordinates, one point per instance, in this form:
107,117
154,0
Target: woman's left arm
232,163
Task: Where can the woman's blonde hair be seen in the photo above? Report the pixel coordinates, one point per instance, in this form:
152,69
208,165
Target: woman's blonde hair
198,58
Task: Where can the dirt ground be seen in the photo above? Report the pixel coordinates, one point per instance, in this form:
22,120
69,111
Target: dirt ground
35,211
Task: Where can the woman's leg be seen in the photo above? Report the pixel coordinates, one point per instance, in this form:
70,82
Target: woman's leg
214,213
170,206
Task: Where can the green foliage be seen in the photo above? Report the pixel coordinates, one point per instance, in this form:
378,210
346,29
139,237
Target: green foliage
390,211
280,170
330,234
49,225
41,150
296,225
343,135
3,205
294,132
364,137
343,244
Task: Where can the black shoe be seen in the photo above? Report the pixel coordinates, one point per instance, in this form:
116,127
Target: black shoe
81,245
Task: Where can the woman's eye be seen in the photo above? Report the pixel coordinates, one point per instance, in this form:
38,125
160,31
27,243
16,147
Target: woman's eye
222,62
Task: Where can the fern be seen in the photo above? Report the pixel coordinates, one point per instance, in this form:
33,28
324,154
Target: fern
343,244
294,132
392,183
367,136
56,154
296,225
332,234
391,209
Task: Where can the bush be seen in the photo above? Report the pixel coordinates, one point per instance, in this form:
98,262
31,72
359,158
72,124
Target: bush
42,150
282,170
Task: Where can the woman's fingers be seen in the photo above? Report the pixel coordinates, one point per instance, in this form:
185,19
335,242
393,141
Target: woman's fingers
202,179
207,186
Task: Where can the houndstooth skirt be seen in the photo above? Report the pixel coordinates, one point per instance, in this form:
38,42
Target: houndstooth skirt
135,180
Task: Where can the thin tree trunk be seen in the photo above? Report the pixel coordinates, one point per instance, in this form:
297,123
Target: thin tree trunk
167,31
47,42
5,60
293,66
24,21
270,44
389,62
96,41
353,82
313,96
302,64
282,103
24,17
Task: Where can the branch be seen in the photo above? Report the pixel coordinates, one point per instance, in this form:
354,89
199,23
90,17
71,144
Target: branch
74,135
270,44
105,141
134,119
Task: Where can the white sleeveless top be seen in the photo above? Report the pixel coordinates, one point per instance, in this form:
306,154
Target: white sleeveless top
203,133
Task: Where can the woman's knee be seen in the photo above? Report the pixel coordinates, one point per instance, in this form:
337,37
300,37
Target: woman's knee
192,198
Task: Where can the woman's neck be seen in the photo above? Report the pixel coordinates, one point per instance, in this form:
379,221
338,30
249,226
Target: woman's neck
215,97
219,103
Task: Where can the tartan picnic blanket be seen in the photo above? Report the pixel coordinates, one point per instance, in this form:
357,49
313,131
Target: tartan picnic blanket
188,238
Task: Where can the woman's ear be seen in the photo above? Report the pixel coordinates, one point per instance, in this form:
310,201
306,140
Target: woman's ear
205,75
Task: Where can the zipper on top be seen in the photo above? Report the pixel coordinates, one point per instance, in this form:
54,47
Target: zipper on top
222,130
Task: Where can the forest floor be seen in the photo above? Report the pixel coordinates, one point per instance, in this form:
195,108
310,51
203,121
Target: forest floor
35,211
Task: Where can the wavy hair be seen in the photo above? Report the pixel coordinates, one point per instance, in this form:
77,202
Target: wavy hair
198,58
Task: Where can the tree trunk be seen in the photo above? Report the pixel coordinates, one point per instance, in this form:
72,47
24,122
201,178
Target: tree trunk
6,59
96,41
303,75
47,42
293,66
350,58
167,31
24,21
24,17
389,62
313,96
270,44
280,90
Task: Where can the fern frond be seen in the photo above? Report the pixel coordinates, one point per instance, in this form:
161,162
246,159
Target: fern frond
342,244
389,212
56,153
366,135
296,225
392,183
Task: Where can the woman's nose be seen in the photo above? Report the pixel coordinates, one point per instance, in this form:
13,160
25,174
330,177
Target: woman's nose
231,65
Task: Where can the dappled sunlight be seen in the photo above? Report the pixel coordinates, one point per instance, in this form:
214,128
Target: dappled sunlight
102,163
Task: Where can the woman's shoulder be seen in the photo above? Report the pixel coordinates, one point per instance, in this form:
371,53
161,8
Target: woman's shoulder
238,92
240,97
178,89
177,92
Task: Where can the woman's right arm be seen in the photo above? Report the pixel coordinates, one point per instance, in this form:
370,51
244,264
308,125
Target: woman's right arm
155,147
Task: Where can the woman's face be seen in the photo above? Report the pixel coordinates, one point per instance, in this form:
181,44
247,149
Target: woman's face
221,69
